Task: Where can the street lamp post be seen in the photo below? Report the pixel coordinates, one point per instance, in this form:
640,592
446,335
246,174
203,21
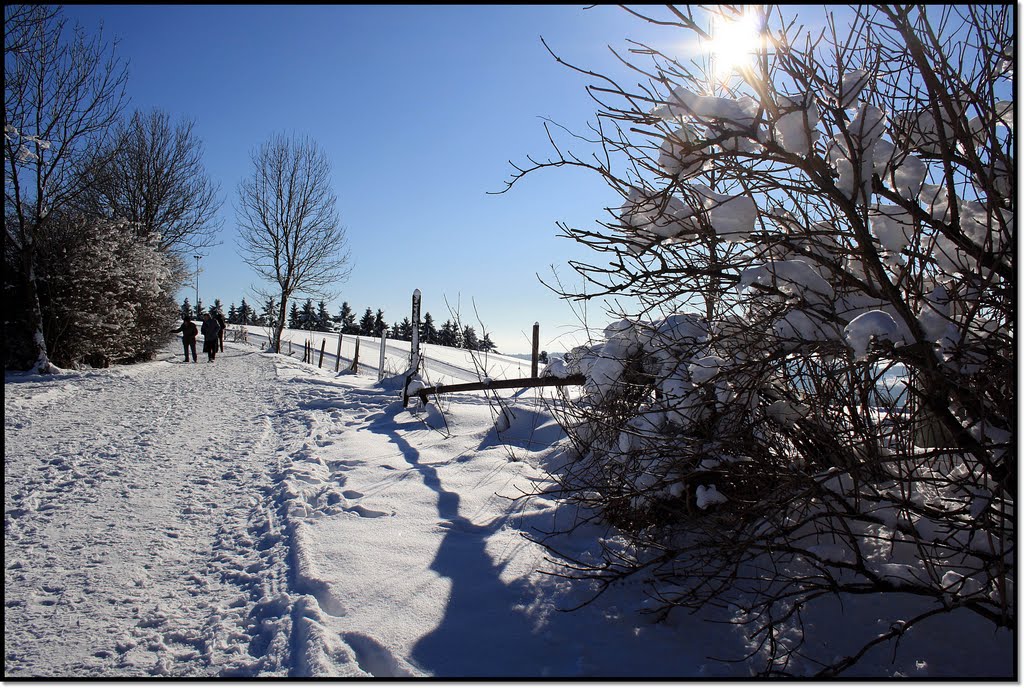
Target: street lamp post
197,283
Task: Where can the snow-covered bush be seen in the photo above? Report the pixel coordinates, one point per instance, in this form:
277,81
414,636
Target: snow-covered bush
839,213
107,295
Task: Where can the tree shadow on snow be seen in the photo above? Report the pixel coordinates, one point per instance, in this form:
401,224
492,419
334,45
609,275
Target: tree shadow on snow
527,429
483,632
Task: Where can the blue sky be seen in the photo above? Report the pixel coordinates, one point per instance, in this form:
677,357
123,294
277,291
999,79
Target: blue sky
420,109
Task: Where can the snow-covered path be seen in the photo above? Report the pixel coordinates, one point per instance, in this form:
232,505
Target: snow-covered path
132,541
262,517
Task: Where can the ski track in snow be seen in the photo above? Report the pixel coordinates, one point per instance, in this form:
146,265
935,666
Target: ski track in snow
147,528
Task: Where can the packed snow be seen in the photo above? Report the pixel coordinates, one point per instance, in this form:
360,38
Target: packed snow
262,517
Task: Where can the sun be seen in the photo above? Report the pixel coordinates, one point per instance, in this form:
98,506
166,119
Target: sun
734,42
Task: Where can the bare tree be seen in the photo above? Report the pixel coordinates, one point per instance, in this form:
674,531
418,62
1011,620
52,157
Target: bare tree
805,396
61,95
152,175
20,22
290,233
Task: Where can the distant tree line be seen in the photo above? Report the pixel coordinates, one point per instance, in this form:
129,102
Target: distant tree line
372,324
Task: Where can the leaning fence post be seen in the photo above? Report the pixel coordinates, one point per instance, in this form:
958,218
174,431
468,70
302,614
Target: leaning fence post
337,362
322,347
355,358
383,344
536,349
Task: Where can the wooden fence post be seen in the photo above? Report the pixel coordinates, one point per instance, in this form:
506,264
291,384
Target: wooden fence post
322,347
536,349
289,347
337,362
355,358
383,345
415,349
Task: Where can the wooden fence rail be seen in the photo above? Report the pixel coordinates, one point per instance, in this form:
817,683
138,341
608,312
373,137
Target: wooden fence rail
415,360
523,382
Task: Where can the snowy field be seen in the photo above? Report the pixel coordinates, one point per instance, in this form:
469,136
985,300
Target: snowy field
442,365
261,517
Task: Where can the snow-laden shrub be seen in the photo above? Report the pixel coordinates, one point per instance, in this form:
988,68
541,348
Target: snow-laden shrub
107,295
836,229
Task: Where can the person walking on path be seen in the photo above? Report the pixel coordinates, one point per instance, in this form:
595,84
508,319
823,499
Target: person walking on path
223,328
210,331
188,331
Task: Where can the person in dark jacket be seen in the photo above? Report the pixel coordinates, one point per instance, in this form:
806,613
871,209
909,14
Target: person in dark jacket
210,331
188,331
223,328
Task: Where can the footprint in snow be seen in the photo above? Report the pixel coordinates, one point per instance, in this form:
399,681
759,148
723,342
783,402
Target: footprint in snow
374,658
366,513
349,463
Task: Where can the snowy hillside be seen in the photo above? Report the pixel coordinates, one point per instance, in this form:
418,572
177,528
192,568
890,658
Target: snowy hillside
261,517
444,365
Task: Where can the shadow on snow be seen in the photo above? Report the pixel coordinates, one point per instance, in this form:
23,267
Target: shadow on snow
484,632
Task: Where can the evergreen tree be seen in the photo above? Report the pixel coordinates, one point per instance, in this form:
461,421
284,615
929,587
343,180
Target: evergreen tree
200,311
394,331
270,312
218,307
346,319
378,323
469,338
186,309
366,323
323,318
232,314
405,330
293,317
449,335
542,357
486,344
428,331
307,317
245,314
